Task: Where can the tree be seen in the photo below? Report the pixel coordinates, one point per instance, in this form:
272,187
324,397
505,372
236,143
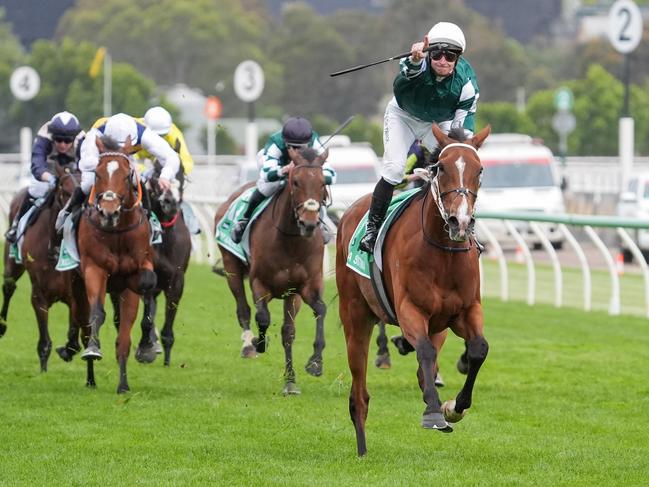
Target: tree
196,42
11,55
67,85
504,117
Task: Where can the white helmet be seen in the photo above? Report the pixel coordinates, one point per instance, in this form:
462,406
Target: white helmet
158,120
447,33
120,126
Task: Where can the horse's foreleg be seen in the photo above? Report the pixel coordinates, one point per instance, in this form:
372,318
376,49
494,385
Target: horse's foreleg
172,300
314,364
383,354
476,352
44,346
291,308
128,311
11,274
414,326
146,349
72,347
114,300
95,280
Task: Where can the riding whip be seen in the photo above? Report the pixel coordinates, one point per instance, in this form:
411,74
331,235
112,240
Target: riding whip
363,66
339,129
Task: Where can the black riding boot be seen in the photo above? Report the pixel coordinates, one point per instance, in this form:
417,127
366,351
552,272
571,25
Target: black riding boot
75,201
237,230
12,234
380,202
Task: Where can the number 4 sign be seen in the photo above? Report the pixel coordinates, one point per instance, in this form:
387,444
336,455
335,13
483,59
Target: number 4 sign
24,83
625,26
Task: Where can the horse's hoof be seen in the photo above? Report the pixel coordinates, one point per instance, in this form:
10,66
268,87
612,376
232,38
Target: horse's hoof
450,414
145,355
66,354
91,385
92,353
260,345
314,367
291,389
249,352
403,345
436,421
439,382
158,348
3,327
383,361
462,365
123,389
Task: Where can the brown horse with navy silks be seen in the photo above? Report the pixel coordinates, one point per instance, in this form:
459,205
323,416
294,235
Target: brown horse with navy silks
286,259
431,277
115,252
39,259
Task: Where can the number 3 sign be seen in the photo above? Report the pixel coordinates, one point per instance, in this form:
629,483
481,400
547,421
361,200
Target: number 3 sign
625,26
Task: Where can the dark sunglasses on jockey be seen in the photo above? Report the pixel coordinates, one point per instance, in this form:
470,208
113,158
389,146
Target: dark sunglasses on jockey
451,56
296,145
63,139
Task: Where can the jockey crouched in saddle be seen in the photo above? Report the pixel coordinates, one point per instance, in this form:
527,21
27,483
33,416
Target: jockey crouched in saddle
159,120
275,166
120,127
57,142
435,87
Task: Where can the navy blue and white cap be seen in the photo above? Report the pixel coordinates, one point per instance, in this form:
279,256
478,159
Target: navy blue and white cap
64,124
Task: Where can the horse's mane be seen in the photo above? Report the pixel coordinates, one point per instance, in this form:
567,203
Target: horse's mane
456,133
110,143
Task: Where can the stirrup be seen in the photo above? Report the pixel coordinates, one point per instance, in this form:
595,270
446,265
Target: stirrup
11,235
368,242
239,228
60,220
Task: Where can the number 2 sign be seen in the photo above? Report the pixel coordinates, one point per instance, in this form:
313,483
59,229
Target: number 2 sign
625,26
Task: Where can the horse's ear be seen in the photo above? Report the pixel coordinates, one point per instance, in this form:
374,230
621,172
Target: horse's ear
128,147
441,137
294,155
320,160
100,144
480,137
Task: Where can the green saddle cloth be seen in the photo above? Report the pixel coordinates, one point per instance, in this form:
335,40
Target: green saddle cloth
225,224
360,261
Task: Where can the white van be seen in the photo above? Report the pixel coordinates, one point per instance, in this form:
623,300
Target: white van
520,174
634,203
357,167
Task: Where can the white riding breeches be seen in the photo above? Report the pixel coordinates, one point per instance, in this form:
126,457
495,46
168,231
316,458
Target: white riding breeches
268,188
37,189
400,130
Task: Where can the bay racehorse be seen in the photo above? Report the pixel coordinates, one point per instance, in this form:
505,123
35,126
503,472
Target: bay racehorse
286,258
115,251
39,259
171,258
432,279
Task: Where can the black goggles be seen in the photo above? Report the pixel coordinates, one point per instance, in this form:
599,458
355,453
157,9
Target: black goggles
295,145
450,56
63,139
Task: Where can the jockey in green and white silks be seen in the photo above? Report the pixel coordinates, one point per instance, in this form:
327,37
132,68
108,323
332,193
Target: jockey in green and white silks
274,161
435,87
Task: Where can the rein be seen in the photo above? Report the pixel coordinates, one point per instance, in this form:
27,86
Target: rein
171,222
428,240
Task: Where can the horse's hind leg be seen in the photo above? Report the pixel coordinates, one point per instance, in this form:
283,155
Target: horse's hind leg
172,300
383,355
146,350
358,335
314,364
234,272
72,346
12,273
128,313
291,308
463,362
44,346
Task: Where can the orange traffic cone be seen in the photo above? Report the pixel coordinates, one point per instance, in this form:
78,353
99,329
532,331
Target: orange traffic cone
619,263
518,256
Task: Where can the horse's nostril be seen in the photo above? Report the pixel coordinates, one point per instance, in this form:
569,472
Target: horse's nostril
453,221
